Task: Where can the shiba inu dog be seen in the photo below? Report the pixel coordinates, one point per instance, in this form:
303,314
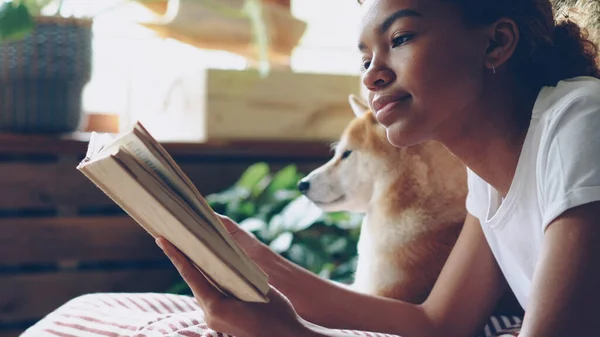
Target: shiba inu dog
413,199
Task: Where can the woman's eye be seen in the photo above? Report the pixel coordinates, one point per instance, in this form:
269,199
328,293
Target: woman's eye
346,154
365,65
401,39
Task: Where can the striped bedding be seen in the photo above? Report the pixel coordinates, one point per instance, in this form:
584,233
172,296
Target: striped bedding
153,314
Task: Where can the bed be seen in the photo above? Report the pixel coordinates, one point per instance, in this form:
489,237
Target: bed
159,314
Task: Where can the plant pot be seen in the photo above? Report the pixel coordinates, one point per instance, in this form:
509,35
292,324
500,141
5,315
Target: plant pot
43,75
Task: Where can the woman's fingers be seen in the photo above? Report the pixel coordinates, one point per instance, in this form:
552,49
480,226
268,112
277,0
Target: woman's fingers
203,290
229,224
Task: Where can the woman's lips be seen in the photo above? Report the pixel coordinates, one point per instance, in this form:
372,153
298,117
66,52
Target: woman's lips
384,114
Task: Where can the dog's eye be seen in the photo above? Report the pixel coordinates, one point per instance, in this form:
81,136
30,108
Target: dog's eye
346,154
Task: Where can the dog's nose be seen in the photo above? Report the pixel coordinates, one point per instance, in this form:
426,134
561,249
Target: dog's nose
304,186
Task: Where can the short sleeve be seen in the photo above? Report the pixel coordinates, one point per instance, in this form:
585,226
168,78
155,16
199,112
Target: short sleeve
476,202
569,174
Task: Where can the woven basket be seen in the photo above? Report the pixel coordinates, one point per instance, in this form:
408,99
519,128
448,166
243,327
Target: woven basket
43,75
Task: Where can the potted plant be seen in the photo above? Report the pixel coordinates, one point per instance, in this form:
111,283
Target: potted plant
45,62
267,203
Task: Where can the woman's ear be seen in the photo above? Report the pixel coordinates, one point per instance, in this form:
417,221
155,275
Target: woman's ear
358,105
503,40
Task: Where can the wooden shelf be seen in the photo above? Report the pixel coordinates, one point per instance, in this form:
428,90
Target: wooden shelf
76,144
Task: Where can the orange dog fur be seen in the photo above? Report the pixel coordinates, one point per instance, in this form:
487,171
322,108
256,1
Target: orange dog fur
413,199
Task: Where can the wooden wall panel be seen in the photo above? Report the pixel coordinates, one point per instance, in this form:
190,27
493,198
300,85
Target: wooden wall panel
47,240
53,185
11,333
26,297
60,237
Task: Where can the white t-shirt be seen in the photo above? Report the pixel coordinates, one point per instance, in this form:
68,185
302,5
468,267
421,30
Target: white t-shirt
558,168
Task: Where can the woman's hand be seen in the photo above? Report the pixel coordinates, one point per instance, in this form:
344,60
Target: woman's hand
255,249
232,316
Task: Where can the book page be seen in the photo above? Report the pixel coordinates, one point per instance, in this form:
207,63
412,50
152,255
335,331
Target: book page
192,195
98,141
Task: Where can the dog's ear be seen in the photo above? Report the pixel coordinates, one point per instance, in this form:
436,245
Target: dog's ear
358,105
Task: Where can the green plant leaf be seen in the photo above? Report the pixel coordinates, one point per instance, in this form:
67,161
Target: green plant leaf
280,217
253,176
282,242
273,203
35,7
327,270
253,224
274,227
304,255
284,179
336,245
233,194
300,214
253,9
15,21
247,208
346,269
338,216
345,221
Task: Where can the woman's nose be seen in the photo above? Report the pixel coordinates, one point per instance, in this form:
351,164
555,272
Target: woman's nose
376,78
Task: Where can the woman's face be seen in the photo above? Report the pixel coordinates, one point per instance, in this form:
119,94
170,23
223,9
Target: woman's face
422,67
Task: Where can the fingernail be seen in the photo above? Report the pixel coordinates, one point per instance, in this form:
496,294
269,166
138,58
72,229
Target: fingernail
159,244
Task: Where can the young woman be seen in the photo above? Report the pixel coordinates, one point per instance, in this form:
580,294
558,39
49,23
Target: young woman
517,98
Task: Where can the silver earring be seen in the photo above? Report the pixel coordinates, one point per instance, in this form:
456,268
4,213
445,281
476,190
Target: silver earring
493,68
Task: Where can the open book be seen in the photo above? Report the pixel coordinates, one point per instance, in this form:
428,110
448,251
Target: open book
138,174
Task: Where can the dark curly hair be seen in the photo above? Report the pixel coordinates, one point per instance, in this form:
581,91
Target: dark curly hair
555,40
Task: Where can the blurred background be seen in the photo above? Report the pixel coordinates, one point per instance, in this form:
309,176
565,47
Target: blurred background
247,96
141,71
